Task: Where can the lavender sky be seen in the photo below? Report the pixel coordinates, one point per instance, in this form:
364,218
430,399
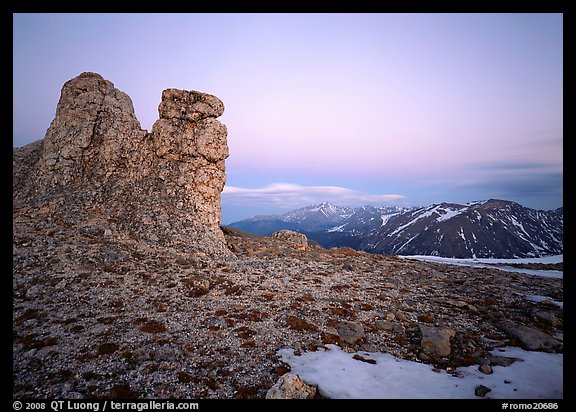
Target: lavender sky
404,109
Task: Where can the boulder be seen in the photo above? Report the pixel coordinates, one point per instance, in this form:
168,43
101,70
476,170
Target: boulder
350,332
290,386
530,338
436,341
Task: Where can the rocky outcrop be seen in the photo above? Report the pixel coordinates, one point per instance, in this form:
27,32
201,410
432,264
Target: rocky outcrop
97,165
297,239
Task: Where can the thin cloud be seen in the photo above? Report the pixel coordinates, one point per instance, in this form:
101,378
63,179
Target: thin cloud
529,184
518,178
289,195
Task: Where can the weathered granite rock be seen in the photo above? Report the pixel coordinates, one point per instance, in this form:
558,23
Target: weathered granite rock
291,236
290,386
97,165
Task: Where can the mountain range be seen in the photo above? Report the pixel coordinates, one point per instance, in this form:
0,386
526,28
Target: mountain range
483,229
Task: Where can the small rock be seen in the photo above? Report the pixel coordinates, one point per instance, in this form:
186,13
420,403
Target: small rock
290,386
459,303
348,267
34,292
501,360
487,369
425,318
351,332
363,359
390,317
401,316
92,230
384,325
472,308
481,390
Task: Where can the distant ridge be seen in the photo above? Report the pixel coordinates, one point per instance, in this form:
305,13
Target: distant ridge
484,229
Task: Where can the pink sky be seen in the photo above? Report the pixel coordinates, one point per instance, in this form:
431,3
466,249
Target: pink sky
422,108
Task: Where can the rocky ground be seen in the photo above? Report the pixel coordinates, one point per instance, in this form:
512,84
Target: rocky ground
95,316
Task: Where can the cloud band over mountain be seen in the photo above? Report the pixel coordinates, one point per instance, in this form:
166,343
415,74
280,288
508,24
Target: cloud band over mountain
289,195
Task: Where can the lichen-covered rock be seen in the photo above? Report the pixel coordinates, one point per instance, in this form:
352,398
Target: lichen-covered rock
291,386
97,165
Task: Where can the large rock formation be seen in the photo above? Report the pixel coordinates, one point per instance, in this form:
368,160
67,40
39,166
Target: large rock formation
97,166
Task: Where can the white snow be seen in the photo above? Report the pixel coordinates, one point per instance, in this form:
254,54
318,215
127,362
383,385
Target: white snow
540,298
338,375
337,228
450,213
443,214
519,225
476,202
408,241
461,233
488,263
386,218
426,213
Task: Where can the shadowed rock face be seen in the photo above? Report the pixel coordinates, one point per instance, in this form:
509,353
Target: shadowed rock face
97,165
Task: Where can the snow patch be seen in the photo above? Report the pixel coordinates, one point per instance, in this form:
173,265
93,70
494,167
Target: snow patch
489,263
386,218
408,241
450,213
337,228
339,376
461,233
540,298
426,213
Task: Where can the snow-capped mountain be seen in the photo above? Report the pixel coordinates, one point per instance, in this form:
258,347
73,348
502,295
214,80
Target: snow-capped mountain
322,218
310,218
328,224
484,229
487,229
318,217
